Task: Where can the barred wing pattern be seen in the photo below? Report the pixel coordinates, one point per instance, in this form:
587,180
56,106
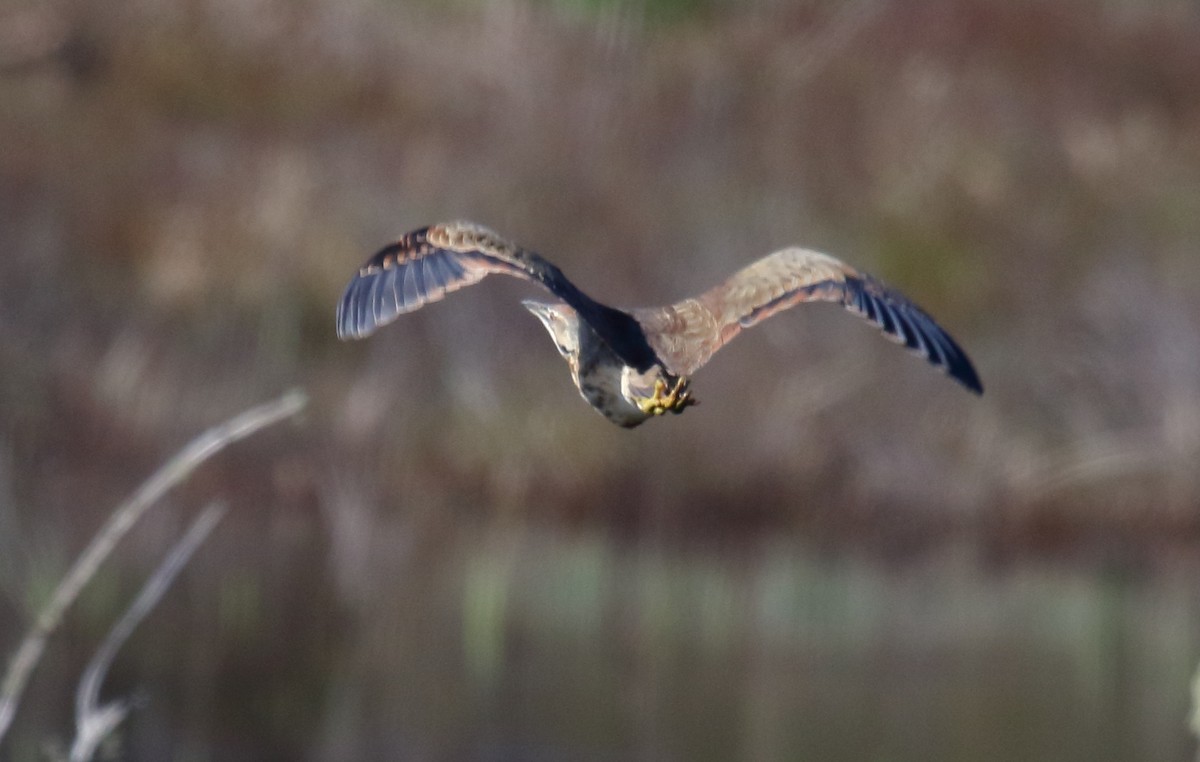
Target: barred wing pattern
685,335
425,265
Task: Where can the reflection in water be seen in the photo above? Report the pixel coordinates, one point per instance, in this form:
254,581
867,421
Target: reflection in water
524,644
509,641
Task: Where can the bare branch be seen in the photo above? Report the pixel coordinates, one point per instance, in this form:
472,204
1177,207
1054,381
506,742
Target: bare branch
93,723
123,518
1194,720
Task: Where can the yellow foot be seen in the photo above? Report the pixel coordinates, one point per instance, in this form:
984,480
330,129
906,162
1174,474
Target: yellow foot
663,401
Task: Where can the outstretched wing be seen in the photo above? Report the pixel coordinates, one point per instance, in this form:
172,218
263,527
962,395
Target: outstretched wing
685,335
425,265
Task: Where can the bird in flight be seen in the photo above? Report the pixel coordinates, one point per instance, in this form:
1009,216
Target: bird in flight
634,364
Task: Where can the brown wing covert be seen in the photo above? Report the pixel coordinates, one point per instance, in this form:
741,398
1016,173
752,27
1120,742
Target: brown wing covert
688,333
422,267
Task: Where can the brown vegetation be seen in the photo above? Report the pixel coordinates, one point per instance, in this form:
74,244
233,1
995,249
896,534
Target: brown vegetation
180,216
186,186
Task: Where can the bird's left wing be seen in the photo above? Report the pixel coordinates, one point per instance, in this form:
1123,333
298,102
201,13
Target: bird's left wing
685,335
425,265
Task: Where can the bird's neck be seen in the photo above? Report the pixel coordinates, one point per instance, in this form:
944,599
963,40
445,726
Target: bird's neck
616,328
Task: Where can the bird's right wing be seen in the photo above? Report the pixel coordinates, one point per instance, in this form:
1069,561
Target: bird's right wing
426,264
685,335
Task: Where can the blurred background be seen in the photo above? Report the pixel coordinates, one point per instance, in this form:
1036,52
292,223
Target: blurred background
840,555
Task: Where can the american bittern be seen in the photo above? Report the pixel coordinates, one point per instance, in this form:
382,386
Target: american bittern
634,364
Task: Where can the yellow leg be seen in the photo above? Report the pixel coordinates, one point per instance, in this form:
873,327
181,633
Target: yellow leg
680,397
653,405
663,401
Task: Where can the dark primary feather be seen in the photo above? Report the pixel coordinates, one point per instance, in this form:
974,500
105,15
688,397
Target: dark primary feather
426,264
688,333
415,270
908,324
382,292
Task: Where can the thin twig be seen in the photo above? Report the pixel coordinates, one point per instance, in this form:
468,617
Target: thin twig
1194,720
93,722
123,518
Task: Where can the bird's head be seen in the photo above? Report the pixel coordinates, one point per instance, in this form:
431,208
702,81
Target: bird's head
562,322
